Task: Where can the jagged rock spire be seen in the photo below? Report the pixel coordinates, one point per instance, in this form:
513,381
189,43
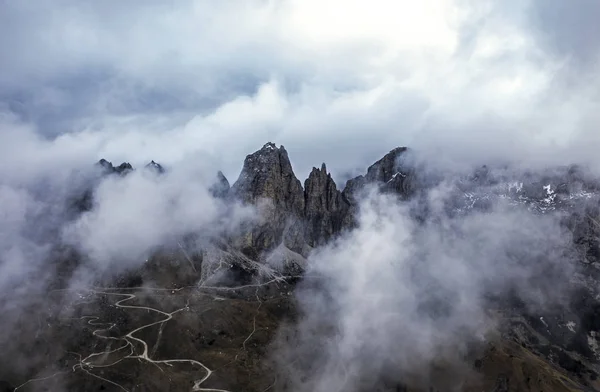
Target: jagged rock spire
108,167
155,167
387,173
268,173
221,186
325,210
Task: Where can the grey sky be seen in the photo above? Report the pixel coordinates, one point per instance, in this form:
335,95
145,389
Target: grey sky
464,81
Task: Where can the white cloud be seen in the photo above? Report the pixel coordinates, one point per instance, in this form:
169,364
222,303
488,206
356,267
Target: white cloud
395,296
154,81
133,215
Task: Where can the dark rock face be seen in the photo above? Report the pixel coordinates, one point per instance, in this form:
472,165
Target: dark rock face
83,202
268,174
267,180
387,174
108,168
326,212
155,167
221,186
124,168
106,165
585,226
305,218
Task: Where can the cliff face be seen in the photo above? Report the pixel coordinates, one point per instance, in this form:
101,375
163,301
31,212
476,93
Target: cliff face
387,174
268,181
267,174
303,218
108,168
326,212
221,186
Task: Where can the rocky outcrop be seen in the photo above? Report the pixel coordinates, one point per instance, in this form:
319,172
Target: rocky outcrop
268,174
155,167
326,213
220,187
387,174
294,217
108,168
268,181
302,219
85,200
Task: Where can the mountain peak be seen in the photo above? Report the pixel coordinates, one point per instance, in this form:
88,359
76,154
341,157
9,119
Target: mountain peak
221,186
268,173
124,168
387,173
156,167
108,167
325,210
269,146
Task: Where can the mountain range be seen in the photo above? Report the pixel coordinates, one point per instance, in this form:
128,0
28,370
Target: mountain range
228,311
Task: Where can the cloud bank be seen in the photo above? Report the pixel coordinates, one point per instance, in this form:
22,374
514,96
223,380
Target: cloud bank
395,298
460,80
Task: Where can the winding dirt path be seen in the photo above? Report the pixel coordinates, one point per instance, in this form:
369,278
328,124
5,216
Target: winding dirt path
128,341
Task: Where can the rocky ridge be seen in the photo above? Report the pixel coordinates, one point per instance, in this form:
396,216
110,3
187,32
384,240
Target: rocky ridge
299,217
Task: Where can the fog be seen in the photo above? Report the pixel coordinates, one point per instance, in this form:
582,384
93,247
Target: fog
401,301
65,224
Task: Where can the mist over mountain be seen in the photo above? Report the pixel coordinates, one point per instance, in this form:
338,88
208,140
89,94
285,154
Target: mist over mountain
432,223
407,277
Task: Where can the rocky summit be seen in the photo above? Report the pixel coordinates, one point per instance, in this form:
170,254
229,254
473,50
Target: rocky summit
224,312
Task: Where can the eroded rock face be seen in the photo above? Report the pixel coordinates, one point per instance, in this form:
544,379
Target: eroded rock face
155,167
302,219
108,167
221,186
268,174
387,174
326,213
268,181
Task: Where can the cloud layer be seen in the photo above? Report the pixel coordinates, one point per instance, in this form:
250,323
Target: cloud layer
395,297
342,82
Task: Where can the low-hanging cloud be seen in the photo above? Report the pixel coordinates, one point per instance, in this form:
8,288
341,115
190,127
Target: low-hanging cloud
131,216
48,242
43,179
394,297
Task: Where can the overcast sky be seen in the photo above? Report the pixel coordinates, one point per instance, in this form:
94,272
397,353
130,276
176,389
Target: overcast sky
341,81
